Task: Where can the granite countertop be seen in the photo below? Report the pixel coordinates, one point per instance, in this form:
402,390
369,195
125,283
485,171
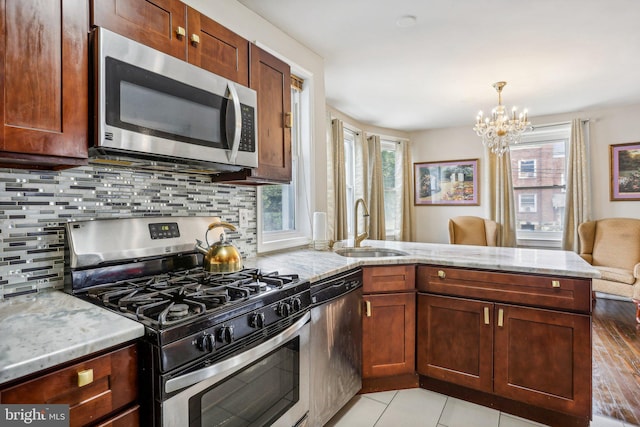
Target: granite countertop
316,265
49,328
54,327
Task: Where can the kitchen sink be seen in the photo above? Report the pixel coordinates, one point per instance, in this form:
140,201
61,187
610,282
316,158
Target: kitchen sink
369,252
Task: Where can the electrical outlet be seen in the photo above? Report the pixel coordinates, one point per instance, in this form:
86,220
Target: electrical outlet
244,218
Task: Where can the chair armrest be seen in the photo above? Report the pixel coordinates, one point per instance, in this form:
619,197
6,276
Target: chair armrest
588,258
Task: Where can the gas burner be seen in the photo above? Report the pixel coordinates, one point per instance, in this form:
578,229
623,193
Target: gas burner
178,311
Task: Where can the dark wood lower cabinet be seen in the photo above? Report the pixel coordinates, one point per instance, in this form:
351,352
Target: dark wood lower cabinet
454,343
100,389
388,342
531,361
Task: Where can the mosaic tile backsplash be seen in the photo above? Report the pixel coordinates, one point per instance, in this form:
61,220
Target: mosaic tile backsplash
35,205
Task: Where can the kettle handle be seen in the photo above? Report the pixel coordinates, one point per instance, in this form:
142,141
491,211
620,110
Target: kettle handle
217,224
221,224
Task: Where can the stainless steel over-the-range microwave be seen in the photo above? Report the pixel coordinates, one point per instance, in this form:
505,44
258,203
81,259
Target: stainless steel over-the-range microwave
159,109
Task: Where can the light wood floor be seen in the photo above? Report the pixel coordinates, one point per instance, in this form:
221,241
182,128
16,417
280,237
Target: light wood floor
616,361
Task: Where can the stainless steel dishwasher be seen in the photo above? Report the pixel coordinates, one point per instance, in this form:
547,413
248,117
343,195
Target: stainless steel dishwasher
336,344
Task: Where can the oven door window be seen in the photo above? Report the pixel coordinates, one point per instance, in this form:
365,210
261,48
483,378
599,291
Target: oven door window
145,102
256,395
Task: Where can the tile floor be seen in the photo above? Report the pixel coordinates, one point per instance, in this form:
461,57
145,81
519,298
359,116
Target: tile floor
424,408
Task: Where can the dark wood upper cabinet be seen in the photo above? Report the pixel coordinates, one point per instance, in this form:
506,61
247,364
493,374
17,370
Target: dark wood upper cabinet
172,27
216,48
44,76
160,24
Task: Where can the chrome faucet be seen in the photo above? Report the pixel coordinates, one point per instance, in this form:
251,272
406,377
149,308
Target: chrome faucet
357,238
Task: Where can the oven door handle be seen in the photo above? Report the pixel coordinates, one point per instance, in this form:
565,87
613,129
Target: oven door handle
227,366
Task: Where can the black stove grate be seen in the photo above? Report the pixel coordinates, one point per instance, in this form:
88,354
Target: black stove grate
167,299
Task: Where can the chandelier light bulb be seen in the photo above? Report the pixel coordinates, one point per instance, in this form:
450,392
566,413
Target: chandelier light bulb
499,132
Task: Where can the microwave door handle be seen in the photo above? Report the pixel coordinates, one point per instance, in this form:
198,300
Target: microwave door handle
235,145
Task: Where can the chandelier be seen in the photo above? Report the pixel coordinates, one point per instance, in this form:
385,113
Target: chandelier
501,130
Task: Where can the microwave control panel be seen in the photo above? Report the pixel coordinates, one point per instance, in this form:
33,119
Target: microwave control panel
248,134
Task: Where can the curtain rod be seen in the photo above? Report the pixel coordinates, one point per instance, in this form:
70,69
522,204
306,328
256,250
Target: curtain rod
558,124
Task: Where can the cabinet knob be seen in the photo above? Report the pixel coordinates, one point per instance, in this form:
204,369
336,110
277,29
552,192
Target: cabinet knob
195,39
85,377
555,283
180,32
442,274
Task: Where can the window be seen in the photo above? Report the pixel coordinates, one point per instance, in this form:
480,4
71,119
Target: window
527,169
391,187
527,203
538,170
350,174
282,208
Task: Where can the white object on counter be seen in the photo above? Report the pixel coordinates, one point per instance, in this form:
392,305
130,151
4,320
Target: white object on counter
320,241
319,226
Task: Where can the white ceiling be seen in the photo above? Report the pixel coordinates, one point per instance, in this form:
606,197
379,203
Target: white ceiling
556,55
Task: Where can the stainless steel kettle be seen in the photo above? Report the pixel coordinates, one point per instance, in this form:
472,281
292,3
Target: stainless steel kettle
222,256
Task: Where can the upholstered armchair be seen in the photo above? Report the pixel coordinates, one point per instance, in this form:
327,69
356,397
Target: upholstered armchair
612,246
473,230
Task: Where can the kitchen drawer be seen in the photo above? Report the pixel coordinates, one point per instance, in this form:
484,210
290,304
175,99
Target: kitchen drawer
114,386
128,418
534,290
391,278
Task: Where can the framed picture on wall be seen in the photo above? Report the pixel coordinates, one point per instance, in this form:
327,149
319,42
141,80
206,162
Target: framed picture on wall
624,161
453,182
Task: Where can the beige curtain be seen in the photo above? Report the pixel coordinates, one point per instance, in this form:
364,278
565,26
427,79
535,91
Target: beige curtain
404,203
361,185
500,193
337,202
577,202
377,228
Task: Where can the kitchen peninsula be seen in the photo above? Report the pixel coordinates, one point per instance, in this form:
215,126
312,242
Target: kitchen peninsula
556,301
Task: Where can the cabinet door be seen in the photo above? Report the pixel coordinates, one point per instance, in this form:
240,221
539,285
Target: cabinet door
155,23
455,340
216,48
388,335
44,77
271,78
543,358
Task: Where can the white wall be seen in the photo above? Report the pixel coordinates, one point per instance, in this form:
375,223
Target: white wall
606,127
254,28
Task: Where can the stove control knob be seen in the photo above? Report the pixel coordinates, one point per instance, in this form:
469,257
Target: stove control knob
296,304
257,320
225,334
206,342
284,309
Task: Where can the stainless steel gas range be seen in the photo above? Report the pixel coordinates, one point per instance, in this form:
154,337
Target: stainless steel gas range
219,349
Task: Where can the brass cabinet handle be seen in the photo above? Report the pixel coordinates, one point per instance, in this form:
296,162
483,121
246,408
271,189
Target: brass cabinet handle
180,32
367,308
486,315
500,317
195,39
85,377
555,283
442,274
